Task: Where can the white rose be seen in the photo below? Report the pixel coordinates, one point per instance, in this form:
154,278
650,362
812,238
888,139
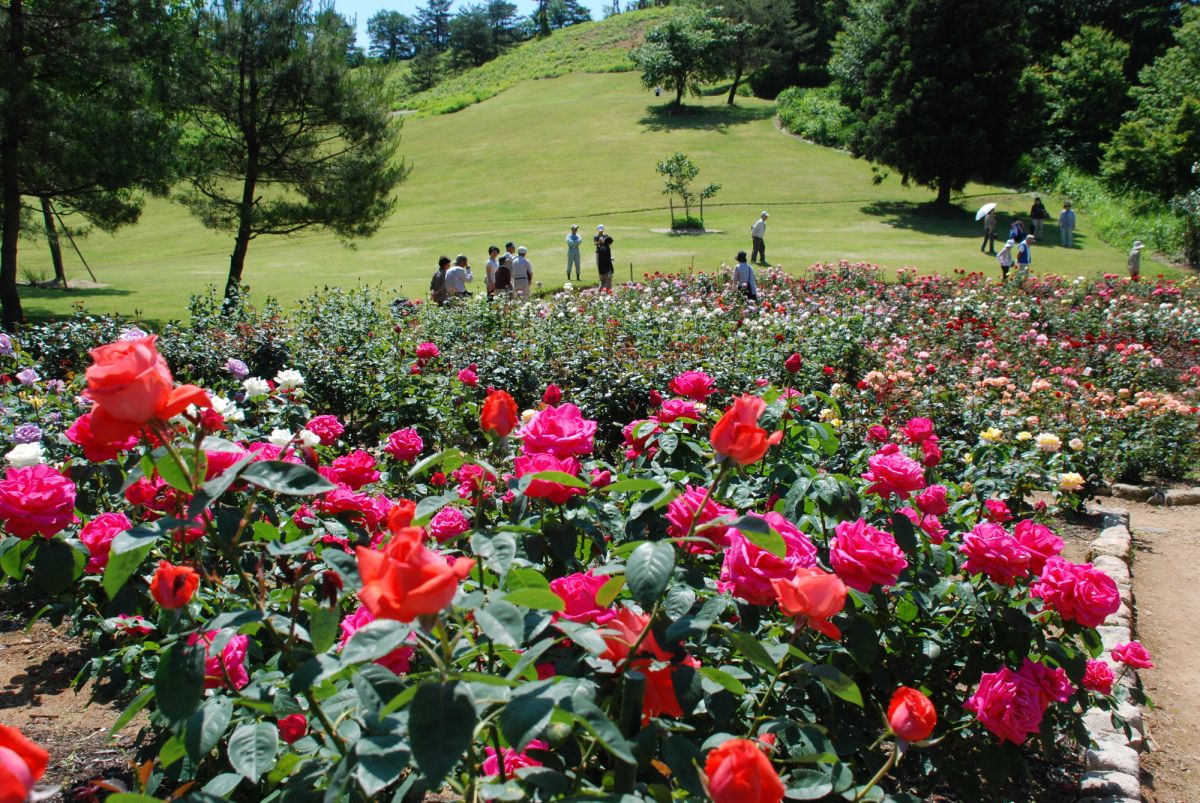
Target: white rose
1048,442
280,437
255,387
309,438
226,408
24,455
289,379
1076,444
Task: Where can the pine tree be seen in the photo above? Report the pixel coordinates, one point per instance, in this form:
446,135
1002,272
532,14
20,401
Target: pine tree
391,35
433,23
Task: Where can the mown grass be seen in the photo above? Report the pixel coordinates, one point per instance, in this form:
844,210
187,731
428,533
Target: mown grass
581,149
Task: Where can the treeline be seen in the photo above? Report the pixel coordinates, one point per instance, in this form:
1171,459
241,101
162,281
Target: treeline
943,92
247,112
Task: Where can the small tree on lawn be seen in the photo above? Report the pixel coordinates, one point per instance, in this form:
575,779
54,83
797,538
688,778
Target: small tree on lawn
683,53
286,136
678,172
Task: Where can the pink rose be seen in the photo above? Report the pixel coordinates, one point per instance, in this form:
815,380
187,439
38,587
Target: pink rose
326,427
1077,591
933,528
997,511
863,556
674,409
1133,654
404,445
878,434
217,463
695,385
917,430
136,624
468,378
427,351
555,492
355,469
1098,677
371,511
512,759
1052,683
1008,705
682,509
97,536
932,500
579,591
398,660
227,669
1039,540
992,551
601,479
892,472
36,499
560,431
637,435
748,570
448,523
931,453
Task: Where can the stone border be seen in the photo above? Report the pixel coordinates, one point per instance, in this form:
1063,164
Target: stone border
1111,768
1156,496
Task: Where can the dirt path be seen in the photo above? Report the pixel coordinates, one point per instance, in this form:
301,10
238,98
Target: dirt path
1166,589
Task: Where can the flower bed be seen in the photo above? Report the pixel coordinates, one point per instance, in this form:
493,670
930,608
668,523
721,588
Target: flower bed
770,575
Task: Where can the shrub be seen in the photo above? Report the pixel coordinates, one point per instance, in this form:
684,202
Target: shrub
814,114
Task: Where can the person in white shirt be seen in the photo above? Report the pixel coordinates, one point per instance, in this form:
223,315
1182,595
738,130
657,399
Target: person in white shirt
489,278
522,273
757,232
458,276
1066,225
573,241
743,277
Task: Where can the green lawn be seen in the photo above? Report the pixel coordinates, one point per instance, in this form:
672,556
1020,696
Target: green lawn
545,154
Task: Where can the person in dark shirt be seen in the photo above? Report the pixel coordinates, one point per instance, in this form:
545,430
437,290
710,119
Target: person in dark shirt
604,261
504,275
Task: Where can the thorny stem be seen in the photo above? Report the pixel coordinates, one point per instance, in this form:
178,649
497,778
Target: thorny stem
891,762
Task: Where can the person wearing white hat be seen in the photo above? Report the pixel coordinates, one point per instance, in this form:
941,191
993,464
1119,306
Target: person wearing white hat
757,232
573,242
604,260
1025,257
1005,258
522,273
1134,262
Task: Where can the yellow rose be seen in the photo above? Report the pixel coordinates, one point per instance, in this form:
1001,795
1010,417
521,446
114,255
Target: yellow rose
1070,481
992,435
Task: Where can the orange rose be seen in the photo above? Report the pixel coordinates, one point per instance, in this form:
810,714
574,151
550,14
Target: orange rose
401,515
738,436
499,413
173,586
815,594
22,763
130,383
910,715
738,772
622,633
405,580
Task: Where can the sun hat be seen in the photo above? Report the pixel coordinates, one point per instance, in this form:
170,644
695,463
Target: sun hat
765,214
1030,238
574,226
1010,243
600,227
522,250
1067,203
1138,245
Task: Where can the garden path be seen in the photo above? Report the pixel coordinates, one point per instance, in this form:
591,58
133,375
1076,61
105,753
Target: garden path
1166,591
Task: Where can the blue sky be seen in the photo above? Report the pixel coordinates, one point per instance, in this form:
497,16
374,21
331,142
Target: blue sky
363,9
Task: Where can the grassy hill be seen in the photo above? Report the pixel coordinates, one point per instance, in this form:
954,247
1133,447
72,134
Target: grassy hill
580,148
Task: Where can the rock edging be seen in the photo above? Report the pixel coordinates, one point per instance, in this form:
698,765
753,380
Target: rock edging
1175,497
1111,767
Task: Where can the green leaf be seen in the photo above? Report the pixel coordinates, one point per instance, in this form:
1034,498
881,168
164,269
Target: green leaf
381,760
56,566
322,628
430,505
222,784
723,679
252,749
906,536
633,484
648,570
808,785
609,591
131,797
171,751
14,553
526,716
375,640
126,554
583,635
131,710
502,623
758,532
837,682
750,647
525,578
206,727
437,459
179,681
559,477
441,725
281,477
497,550
211,490
600,726
541,598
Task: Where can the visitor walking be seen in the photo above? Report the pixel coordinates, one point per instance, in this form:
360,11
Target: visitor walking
989,232
457,277
573,242
493,263
743,277
1016,231
1025,257
504,275
1066,225
757,232
1005,258
437,285
522,273
1134,263
1038,215
604,260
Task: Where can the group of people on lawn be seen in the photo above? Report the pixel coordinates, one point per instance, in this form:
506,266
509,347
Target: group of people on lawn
511,272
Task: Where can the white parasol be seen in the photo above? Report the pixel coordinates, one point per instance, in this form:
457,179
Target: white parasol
983,210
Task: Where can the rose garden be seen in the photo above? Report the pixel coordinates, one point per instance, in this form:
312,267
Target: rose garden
661,545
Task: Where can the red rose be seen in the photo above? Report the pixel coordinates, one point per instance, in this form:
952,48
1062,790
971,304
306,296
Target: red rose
553,394
405,580
739,772
173,586
814,594
792,363
95,449
910,715
738,436
292,728
499,414
22,763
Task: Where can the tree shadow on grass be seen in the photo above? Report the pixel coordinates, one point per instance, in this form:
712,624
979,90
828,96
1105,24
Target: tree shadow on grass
35,312
927,218
668,117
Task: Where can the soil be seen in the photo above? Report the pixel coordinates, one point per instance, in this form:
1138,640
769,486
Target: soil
36,670
1167,601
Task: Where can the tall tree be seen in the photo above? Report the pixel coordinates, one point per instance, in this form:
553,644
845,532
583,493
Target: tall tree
505,23
287,136
918,75
391,35
564,13
425,69
433,23
761,32
684,52
82,84
1086,92
472,39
